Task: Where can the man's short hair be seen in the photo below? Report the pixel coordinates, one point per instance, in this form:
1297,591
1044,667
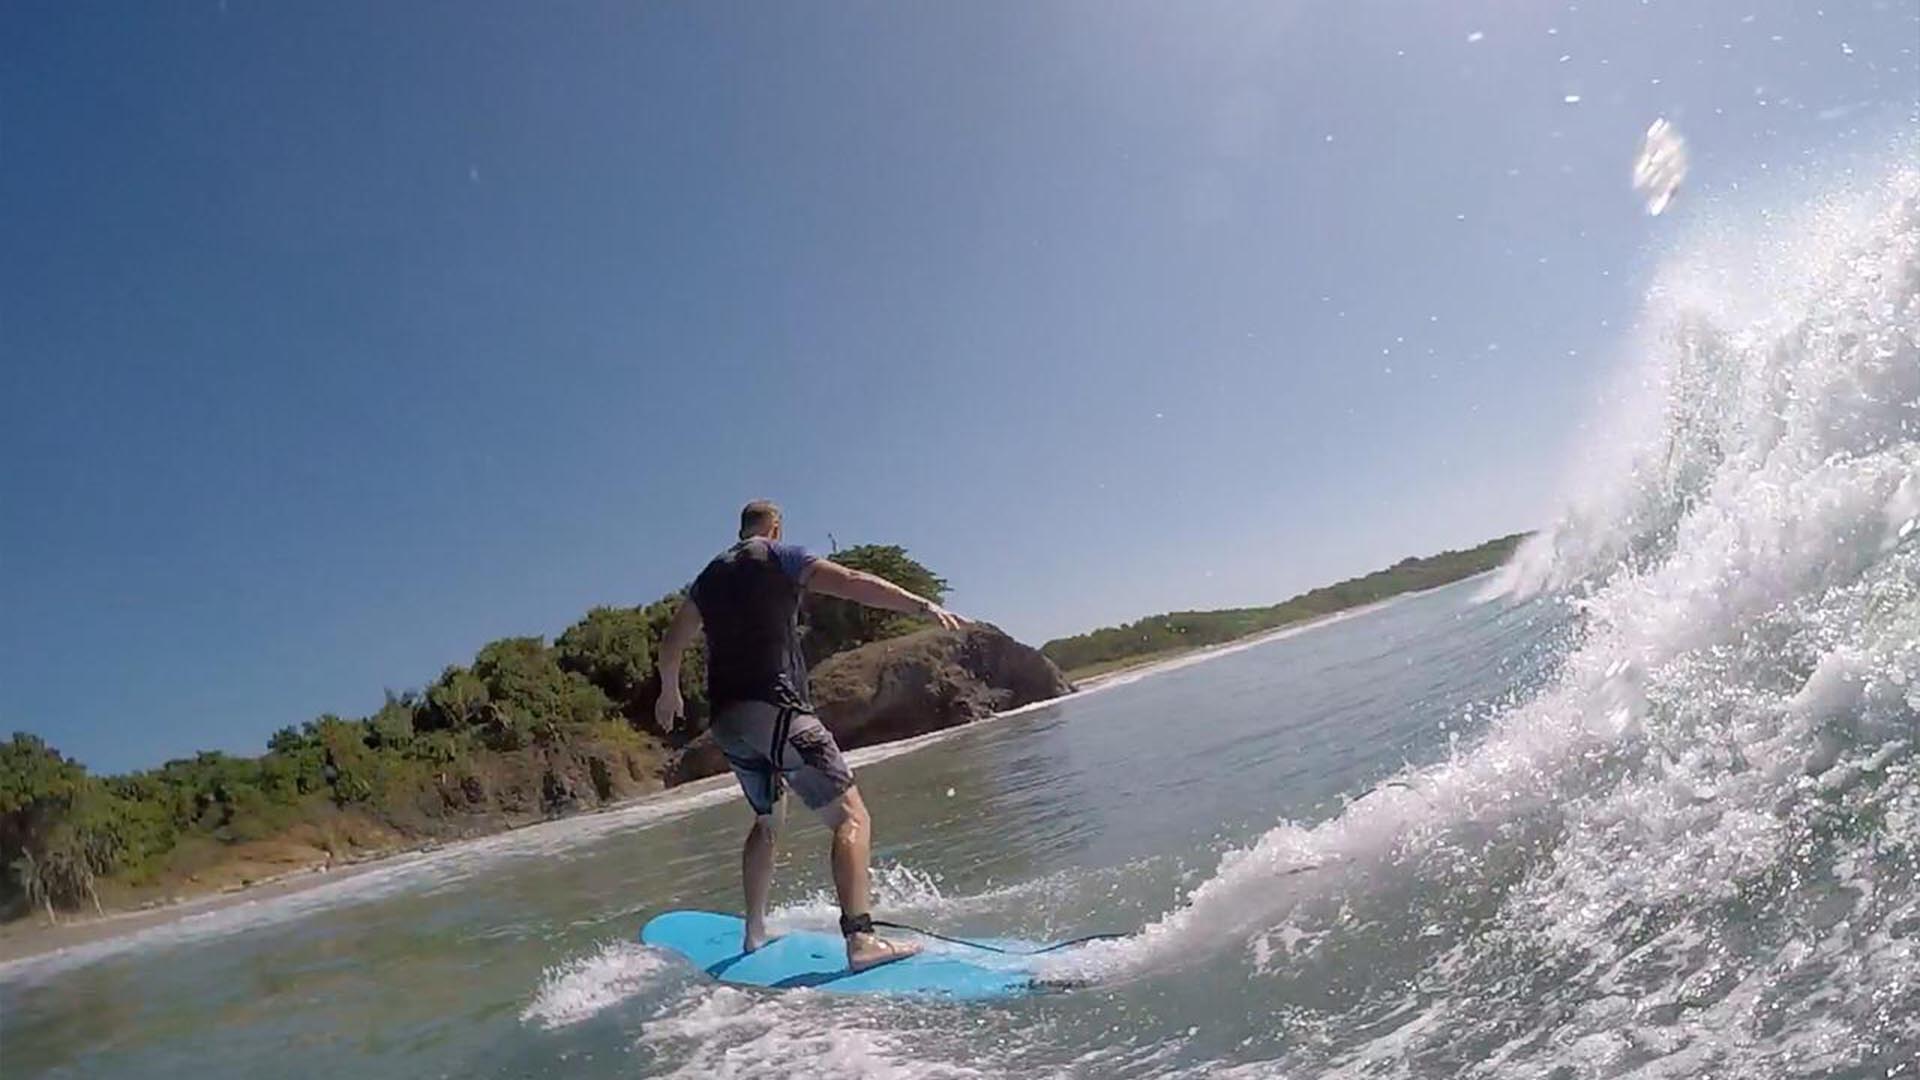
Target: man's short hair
758,517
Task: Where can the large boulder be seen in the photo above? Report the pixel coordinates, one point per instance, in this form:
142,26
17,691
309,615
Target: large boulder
906,686
927,681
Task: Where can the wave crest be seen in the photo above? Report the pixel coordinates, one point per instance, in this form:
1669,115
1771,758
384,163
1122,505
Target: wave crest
1701,843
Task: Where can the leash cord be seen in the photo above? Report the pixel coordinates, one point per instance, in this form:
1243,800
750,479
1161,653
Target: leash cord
983,946
995,948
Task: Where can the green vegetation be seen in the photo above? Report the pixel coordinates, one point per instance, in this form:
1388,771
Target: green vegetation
835,625
413,760
1164,635
495,737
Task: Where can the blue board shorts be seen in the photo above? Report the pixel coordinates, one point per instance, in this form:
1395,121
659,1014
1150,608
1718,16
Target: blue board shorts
771,747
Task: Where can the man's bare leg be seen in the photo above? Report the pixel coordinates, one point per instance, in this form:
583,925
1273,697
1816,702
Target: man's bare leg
852,848
756,873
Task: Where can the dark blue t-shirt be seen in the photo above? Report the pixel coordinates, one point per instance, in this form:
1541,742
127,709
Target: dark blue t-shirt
749,601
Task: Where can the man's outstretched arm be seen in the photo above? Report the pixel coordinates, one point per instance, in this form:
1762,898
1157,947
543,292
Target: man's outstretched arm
832,579
680,632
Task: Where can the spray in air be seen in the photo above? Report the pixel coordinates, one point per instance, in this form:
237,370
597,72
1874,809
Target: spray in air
1660,166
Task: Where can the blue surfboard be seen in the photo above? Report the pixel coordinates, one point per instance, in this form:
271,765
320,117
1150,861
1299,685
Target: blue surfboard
711,942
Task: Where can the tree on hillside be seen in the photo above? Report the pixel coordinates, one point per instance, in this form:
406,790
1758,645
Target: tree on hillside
532,697
352,767
37,787
457,700
33,774
693,668
835,625
613,649
56,827
392,727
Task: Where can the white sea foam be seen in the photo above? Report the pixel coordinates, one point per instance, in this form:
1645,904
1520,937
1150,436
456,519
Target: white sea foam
1729,752
585,986
720,1033
898,889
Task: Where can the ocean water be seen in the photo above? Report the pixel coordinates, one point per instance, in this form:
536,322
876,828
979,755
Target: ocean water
1645,803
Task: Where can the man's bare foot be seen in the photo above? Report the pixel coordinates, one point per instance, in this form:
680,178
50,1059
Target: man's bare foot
756,936
868,950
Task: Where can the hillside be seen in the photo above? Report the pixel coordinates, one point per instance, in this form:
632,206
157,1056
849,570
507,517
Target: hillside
1164,635
526,731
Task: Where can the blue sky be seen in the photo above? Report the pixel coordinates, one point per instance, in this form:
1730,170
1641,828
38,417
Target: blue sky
339,339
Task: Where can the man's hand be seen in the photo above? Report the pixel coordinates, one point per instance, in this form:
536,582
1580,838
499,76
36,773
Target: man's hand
685,624
666,711
947,619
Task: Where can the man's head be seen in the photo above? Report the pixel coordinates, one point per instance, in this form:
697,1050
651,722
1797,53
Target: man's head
760,518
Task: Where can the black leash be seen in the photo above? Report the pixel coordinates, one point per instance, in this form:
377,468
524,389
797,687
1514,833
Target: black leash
983,946
924,932
995,948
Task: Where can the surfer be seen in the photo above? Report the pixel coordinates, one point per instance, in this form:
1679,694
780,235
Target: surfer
748,600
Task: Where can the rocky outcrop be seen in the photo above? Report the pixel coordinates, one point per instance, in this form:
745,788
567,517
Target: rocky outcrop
928,681
906,686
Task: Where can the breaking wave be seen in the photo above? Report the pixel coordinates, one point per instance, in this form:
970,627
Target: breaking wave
1699,848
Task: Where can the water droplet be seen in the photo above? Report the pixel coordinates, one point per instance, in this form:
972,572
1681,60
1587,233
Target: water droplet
1660,166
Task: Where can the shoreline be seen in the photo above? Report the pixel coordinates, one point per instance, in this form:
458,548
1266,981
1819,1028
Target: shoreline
27,938
1159,662
30,936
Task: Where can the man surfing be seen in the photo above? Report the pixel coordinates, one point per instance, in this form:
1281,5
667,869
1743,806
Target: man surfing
748,600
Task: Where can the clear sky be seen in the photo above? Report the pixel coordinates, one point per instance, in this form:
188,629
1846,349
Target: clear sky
339,339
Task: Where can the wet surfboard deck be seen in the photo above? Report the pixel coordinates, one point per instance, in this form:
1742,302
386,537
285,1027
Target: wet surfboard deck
812,958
